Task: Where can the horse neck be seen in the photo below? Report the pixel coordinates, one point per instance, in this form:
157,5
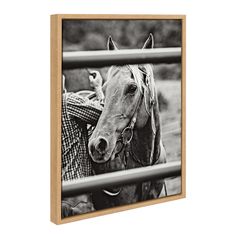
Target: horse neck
142,143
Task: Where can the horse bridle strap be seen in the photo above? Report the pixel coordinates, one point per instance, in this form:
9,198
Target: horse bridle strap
125,141
124,138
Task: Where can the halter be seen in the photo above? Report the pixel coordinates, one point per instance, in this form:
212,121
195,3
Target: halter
124,138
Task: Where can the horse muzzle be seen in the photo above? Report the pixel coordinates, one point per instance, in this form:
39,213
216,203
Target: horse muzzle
98,150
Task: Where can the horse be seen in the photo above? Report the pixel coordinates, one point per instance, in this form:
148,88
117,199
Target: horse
128,132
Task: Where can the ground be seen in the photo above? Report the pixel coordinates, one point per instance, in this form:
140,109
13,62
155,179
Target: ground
171,127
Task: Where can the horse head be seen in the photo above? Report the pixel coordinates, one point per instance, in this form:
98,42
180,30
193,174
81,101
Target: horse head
130,101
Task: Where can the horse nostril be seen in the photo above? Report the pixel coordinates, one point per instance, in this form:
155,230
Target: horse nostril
102,145
91,148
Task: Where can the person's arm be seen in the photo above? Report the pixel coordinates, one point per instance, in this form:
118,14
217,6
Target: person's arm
82,108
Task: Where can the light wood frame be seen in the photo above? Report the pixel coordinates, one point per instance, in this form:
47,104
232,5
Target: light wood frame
56,87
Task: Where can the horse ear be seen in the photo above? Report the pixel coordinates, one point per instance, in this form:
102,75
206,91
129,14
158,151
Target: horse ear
149,42
110,44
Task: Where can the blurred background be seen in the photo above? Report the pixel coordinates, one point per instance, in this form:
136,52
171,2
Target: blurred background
85,35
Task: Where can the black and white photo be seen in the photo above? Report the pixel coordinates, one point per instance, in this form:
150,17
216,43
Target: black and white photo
121,112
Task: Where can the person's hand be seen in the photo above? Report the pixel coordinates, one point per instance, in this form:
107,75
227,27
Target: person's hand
77,205
66,210
83,207
95,79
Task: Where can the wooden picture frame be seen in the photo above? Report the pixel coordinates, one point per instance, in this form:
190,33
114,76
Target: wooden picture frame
56,109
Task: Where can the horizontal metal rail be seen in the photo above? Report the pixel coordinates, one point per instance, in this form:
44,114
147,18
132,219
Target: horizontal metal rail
82,59
115,179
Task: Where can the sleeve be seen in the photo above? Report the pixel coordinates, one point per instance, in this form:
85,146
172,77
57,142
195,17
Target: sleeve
84,109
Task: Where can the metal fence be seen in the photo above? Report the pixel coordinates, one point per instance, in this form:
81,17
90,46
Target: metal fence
118,178
72,60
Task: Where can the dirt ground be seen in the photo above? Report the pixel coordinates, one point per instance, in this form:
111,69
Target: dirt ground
171,127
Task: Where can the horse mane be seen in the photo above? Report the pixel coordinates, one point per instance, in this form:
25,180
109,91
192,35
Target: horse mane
148,70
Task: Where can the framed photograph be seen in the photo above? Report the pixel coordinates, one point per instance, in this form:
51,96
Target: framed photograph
117,113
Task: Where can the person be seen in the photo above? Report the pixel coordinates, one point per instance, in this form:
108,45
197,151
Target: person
77,113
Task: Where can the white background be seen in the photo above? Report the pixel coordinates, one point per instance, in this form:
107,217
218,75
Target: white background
210,206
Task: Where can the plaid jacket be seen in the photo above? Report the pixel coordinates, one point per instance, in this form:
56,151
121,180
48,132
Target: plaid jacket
77,113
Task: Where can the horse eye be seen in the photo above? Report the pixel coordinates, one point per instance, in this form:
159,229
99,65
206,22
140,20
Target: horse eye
131,89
